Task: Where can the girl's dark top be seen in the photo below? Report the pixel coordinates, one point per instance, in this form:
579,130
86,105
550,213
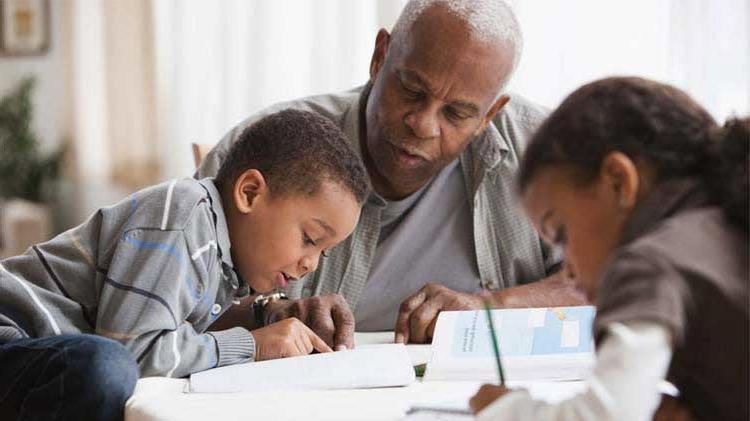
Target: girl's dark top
683,265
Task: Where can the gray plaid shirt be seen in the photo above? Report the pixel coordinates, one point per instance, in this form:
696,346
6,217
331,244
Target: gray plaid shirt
508,250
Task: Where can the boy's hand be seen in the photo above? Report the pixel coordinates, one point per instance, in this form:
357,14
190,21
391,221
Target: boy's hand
287,338
328,316
487,394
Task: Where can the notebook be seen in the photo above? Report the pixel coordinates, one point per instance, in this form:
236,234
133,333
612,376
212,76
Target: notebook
535,344
366,366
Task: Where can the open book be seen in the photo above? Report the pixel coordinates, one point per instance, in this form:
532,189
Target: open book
366,366
535,344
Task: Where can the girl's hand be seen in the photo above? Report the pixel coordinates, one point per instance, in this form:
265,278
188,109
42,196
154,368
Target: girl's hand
487,394
287,338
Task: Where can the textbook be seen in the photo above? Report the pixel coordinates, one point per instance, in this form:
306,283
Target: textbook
536,344
366,366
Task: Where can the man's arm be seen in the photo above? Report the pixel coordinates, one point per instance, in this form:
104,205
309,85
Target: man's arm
418,313
556,290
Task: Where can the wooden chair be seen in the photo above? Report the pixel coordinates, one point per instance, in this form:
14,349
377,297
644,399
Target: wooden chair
200,150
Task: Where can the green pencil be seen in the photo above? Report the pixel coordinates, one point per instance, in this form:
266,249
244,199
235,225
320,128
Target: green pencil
495,345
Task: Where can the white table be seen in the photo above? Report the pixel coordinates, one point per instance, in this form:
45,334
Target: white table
162,399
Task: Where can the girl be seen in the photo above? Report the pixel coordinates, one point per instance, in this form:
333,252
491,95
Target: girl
649,199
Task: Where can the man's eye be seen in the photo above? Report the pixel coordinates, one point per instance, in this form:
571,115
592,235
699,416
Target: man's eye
454,114
411,93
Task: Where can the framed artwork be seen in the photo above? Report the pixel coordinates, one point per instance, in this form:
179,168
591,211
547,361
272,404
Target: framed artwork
24,27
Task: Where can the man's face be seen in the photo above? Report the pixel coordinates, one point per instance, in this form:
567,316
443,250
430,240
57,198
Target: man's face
432,93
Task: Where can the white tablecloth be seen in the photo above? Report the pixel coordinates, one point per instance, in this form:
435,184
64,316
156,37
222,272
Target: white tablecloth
162,399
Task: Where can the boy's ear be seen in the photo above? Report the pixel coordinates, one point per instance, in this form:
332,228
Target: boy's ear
248,187
620,174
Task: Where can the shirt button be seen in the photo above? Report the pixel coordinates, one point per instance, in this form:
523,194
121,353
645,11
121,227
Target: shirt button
215,309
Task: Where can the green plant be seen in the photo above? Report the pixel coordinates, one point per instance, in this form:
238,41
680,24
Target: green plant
23,169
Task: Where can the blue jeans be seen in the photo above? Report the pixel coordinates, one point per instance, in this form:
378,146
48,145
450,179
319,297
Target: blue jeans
68,377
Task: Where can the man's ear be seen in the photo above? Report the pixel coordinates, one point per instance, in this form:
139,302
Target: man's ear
621,177
382,40
494,109
248,187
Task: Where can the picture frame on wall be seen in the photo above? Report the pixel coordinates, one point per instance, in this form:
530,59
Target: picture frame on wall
24,27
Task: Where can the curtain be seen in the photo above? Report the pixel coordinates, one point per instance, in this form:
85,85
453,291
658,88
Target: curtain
218,62
701,46
152,76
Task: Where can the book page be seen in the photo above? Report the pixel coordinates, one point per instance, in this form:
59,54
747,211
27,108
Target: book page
535,344
368,367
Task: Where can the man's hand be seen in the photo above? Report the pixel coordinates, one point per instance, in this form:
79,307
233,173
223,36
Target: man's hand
487,394
418,313
287,338
328,316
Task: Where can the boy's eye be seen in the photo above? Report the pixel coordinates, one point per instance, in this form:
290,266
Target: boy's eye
307,240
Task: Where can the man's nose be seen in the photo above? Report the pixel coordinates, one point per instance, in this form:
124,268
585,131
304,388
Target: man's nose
424,122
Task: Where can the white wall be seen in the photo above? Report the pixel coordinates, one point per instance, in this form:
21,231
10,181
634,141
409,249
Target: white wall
57,117
53,97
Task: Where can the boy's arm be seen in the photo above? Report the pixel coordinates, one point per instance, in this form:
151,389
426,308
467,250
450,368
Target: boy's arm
151,289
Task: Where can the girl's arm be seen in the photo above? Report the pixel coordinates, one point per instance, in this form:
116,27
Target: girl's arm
631,362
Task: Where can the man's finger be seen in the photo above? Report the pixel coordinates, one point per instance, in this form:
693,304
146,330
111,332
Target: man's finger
320,321
431,327
317,343
421,318
343,319
404,313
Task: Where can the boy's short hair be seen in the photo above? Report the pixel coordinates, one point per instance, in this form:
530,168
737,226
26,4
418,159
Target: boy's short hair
295,151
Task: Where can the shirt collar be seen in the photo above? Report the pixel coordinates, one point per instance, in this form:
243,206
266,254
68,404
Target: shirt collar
667,199
222,237
490,147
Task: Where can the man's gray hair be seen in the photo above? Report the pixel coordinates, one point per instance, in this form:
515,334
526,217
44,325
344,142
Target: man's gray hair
488,20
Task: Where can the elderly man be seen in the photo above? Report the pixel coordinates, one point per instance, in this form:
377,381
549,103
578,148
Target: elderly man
441,141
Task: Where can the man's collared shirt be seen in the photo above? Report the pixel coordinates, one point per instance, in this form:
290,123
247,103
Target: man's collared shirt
508,251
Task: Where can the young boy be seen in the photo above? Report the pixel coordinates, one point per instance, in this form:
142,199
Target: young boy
649,199
154,271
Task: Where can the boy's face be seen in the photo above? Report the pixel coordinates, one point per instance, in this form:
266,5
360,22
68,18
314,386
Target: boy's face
585,220
281,238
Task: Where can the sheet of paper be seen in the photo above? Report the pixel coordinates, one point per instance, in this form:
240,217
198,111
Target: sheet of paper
419,353
370,366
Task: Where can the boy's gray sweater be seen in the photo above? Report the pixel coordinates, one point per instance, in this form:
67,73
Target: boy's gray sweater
152,272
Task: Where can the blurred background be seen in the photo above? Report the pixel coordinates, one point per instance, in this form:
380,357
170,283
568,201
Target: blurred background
122,87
